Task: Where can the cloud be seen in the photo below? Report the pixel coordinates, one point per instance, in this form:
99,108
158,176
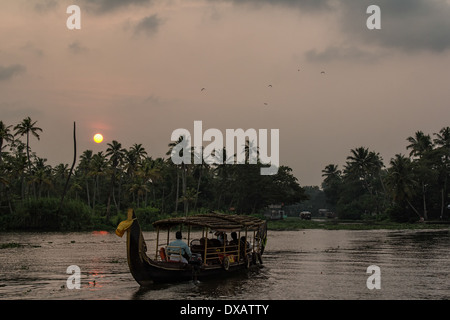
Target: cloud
6,73
148,25
106,6
45,6
76,48
342,53
31,48
309,5
408,25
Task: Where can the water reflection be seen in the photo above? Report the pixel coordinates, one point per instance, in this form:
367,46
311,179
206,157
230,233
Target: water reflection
309,264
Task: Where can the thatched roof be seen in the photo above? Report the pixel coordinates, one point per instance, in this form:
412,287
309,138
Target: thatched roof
214,221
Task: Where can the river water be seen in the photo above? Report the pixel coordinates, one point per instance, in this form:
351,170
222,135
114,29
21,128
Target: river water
298,265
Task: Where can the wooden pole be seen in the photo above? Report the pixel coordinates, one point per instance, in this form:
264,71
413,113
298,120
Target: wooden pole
206,244
71,169
157,242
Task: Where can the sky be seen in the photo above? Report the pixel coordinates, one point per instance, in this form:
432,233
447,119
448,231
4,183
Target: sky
135,72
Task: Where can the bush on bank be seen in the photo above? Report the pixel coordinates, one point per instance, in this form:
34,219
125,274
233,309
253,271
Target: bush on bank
44,215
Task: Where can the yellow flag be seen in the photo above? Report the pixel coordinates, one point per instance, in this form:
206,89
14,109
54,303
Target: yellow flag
124,225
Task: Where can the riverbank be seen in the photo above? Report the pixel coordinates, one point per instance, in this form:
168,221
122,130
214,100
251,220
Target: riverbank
292,224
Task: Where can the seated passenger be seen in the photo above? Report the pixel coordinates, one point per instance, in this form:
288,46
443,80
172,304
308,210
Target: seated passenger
221,236
234,239
178,250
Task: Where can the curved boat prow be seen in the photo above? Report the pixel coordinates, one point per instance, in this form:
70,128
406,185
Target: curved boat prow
136,252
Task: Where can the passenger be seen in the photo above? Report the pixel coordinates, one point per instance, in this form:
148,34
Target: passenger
244,245
234,239
221,237
176,246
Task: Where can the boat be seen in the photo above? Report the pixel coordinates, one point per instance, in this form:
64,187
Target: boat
210,258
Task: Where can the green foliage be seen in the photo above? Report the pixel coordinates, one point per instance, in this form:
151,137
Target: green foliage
106,183
410,188
44,215
400,213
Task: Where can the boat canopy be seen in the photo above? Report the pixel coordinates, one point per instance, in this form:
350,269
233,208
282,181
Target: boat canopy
215,221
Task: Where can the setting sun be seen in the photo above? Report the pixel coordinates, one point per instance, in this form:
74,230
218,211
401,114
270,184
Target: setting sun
98,138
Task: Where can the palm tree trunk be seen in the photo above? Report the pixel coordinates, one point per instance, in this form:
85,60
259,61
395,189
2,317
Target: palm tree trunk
110,193
145,199
177,193
162,200
425,214
87,193
198,187
183,176
120,193
28,152
417,212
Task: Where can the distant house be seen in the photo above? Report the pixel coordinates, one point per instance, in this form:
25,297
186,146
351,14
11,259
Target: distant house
274,212
305,215
326,213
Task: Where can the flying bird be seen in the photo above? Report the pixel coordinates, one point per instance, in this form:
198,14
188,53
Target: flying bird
323,72
203,89
270,85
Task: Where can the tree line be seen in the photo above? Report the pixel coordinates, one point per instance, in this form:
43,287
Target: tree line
412,187
104,184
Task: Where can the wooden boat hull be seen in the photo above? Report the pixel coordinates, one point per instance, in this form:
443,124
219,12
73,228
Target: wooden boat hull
147,271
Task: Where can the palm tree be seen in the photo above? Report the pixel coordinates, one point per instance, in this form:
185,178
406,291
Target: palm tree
98,168
188,197
331,173
224,174
85,167
139,187
60,173
150,173
421,146
366,166
400,180
139,152
115,153
181,141
363,163
5,136
41,176
443,142
25,128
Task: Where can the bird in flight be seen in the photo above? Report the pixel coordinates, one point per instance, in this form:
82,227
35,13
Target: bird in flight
270,85
203,89
323,72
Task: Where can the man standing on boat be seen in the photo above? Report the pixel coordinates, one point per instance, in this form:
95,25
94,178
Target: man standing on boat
178,250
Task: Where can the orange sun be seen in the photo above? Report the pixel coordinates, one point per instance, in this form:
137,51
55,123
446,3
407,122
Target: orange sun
98,138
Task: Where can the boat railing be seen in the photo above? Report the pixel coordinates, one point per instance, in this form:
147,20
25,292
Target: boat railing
213,253
174,253
212,250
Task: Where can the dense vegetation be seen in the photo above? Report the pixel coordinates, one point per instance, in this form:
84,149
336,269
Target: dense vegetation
101,186
412,187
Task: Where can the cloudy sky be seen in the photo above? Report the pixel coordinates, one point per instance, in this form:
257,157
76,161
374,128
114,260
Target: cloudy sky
135,70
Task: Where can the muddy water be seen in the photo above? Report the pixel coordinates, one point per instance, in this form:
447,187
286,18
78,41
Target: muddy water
298,265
